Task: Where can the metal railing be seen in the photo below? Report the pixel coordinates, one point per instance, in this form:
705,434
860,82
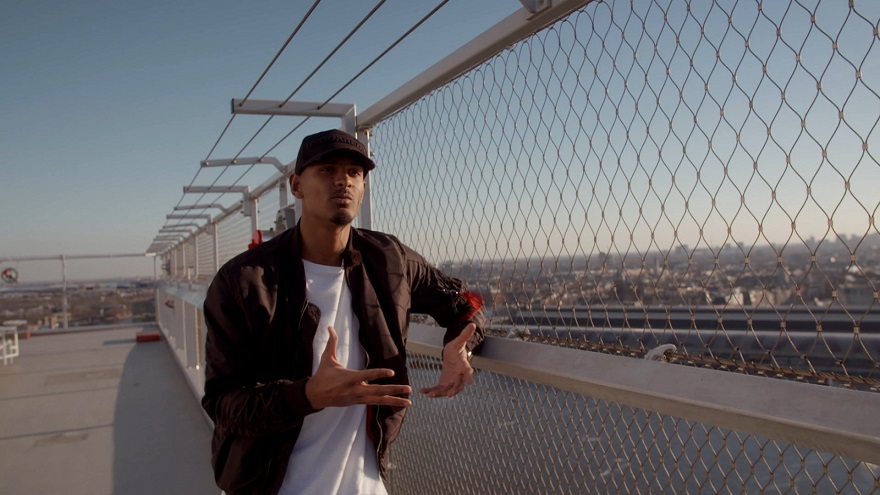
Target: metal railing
687,182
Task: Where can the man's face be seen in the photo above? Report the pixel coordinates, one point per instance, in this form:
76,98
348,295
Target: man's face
331,189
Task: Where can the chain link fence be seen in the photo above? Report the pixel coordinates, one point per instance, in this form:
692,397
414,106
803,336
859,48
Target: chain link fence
693,182
700,174
513,436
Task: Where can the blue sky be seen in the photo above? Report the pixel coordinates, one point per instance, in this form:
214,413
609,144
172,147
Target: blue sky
108,106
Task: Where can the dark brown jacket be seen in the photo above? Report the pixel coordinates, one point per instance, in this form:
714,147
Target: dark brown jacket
259,346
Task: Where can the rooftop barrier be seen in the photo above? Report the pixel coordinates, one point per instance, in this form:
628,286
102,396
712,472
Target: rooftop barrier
669,208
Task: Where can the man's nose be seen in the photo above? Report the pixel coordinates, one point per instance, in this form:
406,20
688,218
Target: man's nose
341,178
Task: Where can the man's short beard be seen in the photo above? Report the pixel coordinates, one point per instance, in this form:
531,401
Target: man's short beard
342,218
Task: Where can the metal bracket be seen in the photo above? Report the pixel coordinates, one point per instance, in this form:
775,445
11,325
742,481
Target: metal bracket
199,207
344,111
535,6
190,216
660,353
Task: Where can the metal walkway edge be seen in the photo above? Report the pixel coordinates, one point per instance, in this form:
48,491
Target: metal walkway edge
95,412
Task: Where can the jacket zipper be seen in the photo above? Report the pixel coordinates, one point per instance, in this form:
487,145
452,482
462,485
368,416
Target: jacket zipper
367,366
375,415
302,313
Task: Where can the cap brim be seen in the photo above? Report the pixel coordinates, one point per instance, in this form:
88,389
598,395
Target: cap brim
363,161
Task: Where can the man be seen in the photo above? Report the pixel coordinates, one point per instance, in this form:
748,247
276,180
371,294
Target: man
306,378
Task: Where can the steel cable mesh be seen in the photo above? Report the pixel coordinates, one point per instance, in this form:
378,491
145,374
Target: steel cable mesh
531,438
180,261
648,173
234,235
189,259
269,207
700,174
205,268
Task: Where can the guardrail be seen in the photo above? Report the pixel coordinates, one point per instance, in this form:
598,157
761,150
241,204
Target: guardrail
547,419
593,165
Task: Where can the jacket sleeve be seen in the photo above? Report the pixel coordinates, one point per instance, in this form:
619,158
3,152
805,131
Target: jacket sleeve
445,299
235,399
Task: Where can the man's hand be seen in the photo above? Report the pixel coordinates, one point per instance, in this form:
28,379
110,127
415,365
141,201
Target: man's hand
335,386
457,371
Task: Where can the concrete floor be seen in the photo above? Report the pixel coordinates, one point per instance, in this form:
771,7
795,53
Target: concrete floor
95,412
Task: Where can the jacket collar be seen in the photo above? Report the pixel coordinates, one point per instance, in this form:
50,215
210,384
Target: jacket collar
291,252
351,257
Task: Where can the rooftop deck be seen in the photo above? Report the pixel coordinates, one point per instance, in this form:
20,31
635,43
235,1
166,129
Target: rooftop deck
95,412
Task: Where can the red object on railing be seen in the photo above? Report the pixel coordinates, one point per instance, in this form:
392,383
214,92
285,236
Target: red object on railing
256,239
476,300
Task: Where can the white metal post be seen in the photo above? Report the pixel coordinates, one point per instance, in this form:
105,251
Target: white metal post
365,216
64,306
254,205
183,260
282,192
196,256
213,228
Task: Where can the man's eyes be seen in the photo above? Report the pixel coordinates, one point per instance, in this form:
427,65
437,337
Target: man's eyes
353,172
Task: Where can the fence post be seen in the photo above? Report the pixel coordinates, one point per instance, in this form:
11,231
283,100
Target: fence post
64,307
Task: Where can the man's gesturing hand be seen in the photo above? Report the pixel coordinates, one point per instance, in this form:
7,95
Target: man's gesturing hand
333,385
457,369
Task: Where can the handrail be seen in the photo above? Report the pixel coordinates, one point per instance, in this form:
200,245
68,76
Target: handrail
827,419
517,26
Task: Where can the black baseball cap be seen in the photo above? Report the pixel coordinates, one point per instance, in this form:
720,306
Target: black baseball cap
316,146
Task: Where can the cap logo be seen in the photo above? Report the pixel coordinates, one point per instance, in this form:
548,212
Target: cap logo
334,139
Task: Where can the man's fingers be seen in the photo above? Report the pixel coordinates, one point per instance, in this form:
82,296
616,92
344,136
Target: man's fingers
443,389
330,350
384,395
370,375
387,400
466,334
434,391
448,390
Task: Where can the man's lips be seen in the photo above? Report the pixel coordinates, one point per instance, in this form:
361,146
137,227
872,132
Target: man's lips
342,198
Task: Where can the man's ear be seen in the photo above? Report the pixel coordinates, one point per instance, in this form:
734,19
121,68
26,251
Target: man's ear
295,186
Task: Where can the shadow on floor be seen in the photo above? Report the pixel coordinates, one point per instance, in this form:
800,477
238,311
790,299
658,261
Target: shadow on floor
155,447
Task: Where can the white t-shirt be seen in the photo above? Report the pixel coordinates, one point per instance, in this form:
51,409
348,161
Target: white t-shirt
333,453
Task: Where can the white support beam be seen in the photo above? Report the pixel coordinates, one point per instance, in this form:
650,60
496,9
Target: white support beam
292,108
254,160
250,203
514,28
191,216
216,189
200,207
188,227
284,170
244,190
